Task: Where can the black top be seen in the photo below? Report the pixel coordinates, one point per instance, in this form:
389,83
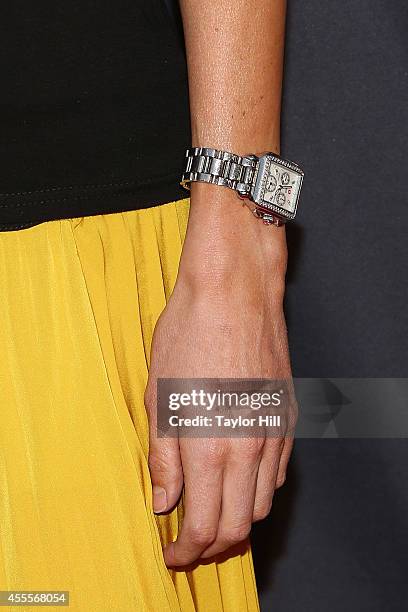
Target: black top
94,108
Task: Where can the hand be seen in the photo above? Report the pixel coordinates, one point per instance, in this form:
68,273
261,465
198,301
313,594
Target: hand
224,319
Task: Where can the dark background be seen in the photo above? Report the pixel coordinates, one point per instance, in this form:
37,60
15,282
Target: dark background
337,536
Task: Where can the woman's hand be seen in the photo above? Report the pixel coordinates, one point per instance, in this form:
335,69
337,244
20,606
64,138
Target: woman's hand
224,320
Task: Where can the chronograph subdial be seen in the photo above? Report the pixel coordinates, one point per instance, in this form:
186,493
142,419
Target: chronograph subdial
271,183
285,178
281,198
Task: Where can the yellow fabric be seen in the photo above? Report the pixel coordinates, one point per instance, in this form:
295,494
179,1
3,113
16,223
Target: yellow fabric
79,299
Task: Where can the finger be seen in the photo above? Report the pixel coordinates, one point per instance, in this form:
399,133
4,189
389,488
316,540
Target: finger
291,412
202,506
267,475
283,463
166,473
238,495
164,462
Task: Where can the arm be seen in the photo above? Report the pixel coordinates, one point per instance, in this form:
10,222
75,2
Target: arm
234,56
225,315
235,62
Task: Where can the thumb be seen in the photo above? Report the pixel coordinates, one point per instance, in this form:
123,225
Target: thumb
164,461
166,473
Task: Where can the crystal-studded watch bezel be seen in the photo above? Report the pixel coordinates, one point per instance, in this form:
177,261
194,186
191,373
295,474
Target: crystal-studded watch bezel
258,190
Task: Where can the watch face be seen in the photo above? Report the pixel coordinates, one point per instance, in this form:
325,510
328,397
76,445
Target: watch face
282,187
278,185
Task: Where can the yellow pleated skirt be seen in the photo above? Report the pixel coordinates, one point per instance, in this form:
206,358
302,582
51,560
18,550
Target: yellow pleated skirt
79,299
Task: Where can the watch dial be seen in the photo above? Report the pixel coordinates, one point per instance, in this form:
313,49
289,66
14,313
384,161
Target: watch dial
280,199
282,187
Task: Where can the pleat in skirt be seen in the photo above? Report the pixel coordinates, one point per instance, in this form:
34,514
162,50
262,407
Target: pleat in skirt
79,299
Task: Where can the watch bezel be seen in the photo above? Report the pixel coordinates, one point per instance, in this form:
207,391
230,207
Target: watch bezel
258,190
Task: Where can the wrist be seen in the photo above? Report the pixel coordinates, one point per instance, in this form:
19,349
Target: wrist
226,244
220,223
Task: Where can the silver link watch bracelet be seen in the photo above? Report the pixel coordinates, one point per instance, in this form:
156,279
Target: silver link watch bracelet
220,168
269,185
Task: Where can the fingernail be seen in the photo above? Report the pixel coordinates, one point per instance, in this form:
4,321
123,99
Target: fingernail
159,499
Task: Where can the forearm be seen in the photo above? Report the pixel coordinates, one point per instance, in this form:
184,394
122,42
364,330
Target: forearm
235,65
235,58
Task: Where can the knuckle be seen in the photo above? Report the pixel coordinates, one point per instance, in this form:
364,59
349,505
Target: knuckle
252,448
158,463
180,556
278,444
275,447
262,512
184,558
203,535
236,533
215,454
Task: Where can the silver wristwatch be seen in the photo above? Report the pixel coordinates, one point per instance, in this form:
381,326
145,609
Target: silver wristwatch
269,185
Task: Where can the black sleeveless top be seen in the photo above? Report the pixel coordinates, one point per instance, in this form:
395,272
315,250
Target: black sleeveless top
94,108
